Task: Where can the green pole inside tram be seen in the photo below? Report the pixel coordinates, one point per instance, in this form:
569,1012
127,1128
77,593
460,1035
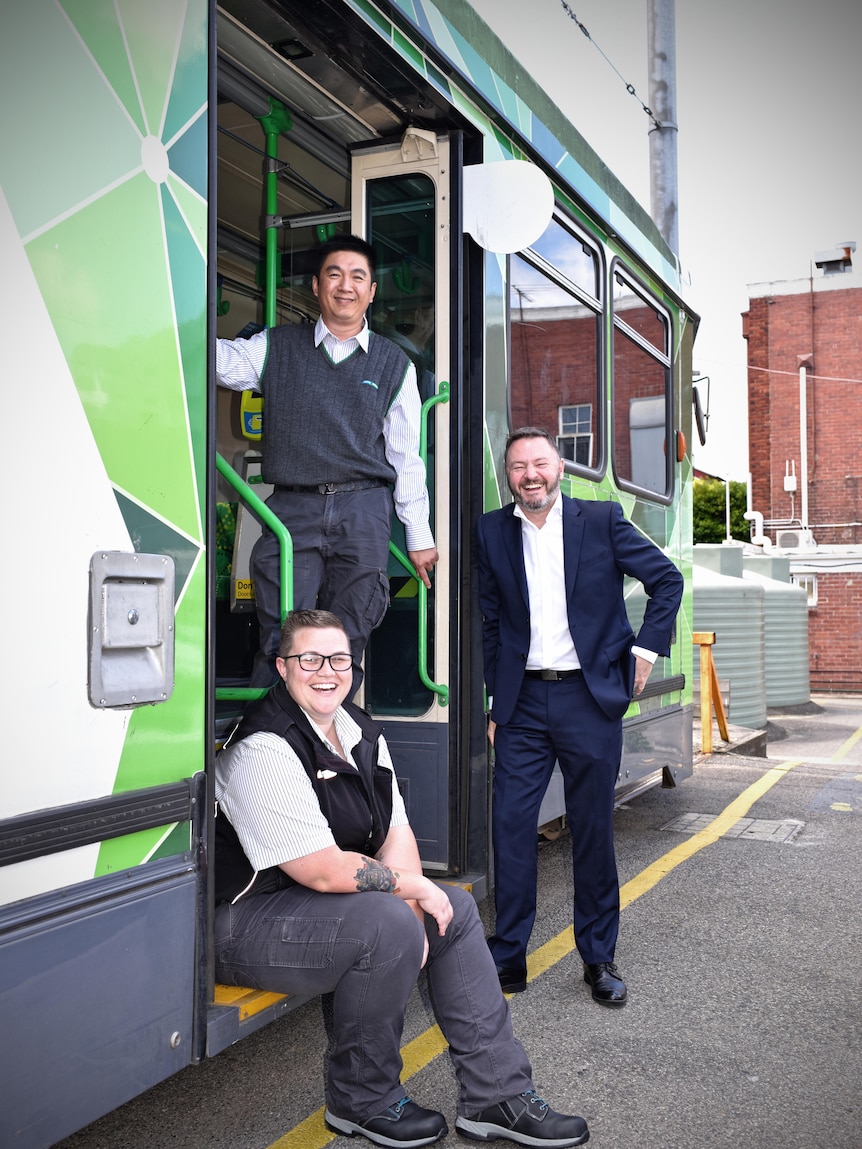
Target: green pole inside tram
277,121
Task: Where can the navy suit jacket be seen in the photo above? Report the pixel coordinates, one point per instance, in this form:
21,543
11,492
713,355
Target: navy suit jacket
600,547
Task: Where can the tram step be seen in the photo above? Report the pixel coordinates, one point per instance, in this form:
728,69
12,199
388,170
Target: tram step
236,1011
248,1001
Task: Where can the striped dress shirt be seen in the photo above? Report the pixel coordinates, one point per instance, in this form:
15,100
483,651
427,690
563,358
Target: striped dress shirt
266,794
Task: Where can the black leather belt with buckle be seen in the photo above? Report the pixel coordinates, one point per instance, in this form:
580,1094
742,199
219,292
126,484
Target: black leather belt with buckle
552,675
332,488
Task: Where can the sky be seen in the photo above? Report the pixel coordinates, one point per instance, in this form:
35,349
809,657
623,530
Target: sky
769,152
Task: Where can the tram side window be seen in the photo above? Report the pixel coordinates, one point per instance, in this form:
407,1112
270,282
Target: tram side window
642,407
554,333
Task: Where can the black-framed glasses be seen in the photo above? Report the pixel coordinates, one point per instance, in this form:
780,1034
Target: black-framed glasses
311,660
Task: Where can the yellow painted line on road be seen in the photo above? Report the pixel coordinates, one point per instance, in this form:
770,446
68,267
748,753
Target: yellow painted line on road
313,1134
844,750
551,952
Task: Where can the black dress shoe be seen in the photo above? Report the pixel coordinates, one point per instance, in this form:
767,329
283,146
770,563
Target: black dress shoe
526,1119
404,1125
608,987
513,979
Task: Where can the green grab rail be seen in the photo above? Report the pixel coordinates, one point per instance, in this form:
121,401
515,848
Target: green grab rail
442,396
285,546
437,688
256,504
277,122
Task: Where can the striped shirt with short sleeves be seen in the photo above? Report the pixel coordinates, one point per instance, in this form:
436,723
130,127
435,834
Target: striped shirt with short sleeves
267,796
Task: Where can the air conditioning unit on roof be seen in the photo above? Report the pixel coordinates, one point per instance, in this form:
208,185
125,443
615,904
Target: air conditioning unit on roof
797,539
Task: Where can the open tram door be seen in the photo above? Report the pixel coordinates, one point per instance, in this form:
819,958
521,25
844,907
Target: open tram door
401,202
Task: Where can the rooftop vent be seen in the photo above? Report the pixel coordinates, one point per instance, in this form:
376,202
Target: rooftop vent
836,261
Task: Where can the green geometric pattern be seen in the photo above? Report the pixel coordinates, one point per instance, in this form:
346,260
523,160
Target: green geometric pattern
104,165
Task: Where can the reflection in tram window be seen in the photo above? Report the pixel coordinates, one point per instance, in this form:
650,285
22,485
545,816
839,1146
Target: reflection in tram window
575,438
563,251
554,329
642,424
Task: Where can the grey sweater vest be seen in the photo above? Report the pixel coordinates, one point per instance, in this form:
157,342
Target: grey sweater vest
323,422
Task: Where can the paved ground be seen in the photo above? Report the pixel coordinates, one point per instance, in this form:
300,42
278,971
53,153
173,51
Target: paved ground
743,958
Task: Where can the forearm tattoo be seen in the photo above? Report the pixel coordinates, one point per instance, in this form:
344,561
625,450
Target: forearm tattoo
373,875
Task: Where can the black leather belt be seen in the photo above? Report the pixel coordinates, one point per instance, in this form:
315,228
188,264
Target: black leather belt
332,488
552,675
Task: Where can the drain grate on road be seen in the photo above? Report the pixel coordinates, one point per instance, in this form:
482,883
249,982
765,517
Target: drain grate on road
753,829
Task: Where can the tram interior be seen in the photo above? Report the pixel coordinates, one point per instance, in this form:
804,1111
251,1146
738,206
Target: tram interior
340,89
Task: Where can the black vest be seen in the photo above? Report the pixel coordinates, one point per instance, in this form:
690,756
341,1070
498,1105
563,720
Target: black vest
323,421
357,803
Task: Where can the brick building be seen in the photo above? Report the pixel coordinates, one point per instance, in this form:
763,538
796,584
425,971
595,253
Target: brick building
805,449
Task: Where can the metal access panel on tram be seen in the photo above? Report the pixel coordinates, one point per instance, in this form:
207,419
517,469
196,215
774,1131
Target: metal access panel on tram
400,203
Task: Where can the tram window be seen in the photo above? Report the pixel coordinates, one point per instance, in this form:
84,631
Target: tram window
642,425
641,316
554,359
565,252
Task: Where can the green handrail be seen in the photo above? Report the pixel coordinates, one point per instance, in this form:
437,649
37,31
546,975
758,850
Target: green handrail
256,504
439,689
285,546
276,123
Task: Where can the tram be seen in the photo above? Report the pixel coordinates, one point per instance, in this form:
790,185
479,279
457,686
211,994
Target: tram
166,173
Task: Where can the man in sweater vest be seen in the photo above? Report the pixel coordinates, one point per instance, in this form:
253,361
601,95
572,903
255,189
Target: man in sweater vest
341,430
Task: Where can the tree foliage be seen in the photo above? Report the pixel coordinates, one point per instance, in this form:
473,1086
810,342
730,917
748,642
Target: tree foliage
710,512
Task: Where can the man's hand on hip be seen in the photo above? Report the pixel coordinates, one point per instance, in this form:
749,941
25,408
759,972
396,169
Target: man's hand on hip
642,672
423,561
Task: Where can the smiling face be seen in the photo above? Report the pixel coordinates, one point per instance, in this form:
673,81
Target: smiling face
344,290
533,472
318,692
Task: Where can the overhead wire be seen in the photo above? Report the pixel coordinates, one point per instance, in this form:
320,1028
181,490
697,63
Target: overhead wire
630,88
810,375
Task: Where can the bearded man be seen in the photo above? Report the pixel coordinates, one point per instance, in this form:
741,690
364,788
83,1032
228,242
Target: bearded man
562,664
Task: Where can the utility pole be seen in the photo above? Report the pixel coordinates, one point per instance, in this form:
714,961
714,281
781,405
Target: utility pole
661,38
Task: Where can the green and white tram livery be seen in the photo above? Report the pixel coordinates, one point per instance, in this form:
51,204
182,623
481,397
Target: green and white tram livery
167,171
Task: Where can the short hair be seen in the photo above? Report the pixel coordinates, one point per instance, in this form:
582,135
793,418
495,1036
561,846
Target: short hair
531,433
298,619
353,243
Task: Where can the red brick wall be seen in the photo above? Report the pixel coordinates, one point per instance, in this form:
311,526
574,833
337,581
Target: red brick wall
828,326
780,329
835,634
555,362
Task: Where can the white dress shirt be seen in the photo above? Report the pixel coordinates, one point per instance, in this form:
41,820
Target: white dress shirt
551,643
240,364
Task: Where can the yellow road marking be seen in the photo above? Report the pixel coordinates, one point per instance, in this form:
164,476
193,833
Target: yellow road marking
844,750
313,1134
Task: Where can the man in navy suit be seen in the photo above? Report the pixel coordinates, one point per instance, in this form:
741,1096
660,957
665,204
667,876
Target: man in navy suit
561,667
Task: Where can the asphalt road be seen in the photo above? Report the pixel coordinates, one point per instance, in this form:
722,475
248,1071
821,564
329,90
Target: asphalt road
741,946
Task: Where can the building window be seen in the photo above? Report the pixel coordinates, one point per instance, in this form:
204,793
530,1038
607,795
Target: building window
809,583
575,438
